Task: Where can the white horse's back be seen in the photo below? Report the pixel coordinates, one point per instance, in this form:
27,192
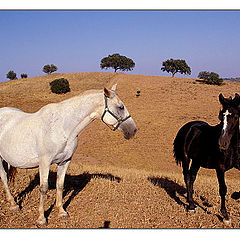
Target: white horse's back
16,137
8,118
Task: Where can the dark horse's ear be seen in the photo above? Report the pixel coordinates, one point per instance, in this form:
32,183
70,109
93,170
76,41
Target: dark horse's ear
107,93
236,101
222,99
225,101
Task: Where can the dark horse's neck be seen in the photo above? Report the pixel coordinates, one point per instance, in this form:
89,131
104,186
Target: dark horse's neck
238,142
235,138
234,148
231,156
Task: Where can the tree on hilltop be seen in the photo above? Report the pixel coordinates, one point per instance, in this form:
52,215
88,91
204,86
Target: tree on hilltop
176,66
49,68
211,78
11,75
24,75
203,75
117,62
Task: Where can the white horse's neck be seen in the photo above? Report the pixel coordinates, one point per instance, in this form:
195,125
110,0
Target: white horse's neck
80,111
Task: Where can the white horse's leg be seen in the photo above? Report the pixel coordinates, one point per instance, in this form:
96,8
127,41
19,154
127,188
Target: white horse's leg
62,169
43,173
10,198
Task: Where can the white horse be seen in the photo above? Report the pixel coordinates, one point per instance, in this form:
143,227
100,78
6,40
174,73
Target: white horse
50,135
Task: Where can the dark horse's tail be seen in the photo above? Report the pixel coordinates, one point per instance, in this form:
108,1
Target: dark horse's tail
178,147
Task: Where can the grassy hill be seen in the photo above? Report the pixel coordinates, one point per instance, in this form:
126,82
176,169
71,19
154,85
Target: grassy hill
120,183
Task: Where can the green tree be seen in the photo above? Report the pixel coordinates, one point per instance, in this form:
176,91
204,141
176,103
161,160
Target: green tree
49,68
203,75
11,75
176,66
24,75
53,68
211,78
46,68
117,62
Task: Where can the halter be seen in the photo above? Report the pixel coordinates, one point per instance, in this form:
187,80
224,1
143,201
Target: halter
119,120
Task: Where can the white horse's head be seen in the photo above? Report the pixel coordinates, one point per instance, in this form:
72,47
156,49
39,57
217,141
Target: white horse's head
115,114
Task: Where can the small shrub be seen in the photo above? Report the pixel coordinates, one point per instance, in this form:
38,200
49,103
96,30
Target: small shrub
138,93
60,86
24,75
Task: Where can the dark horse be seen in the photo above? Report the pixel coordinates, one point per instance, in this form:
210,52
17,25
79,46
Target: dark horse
214,147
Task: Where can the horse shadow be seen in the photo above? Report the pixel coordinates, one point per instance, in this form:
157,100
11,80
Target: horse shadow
235,195
172,189
73,184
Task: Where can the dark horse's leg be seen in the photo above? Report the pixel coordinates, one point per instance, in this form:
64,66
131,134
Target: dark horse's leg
189,178
222,192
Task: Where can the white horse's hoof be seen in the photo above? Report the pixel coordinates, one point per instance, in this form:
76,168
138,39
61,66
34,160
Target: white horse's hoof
227,222
42,221
15,208
191,211
63,214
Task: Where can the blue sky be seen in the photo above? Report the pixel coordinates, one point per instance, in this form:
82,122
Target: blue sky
76,41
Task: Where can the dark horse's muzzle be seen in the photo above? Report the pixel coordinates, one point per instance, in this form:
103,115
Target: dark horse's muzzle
224,142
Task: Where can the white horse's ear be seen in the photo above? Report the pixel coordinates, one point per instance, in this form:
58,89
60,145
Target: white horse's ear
114,87
107,93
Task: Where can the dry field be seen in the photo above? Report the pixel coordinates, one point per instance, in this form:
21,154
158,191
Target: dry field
118,183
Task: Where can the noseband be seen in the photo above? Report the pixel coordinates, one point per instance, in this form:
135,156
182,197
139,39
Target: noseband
119,120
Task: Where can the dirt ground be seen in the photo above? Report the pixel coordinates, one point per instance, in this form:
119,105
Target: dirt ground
117,183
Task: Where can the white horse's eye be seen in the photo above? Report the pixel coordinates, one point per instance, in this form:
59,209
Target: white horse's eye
121,107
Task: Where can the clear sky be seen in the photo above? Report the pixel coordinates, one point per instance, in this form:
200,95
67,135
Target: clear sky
76,41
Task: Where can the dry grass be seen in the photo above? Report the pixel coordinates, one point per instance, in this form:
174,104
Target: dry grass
116,183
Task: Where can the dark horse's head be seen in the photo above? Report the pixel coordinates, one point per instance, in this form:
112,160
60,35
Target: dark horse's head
229,116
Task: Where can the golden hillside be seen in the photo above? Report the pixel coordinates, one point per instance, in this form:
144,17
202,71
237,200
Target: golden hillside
120,183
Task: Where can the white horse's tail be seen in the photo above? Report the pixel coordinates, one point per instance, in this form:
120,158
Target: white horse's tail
10,170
